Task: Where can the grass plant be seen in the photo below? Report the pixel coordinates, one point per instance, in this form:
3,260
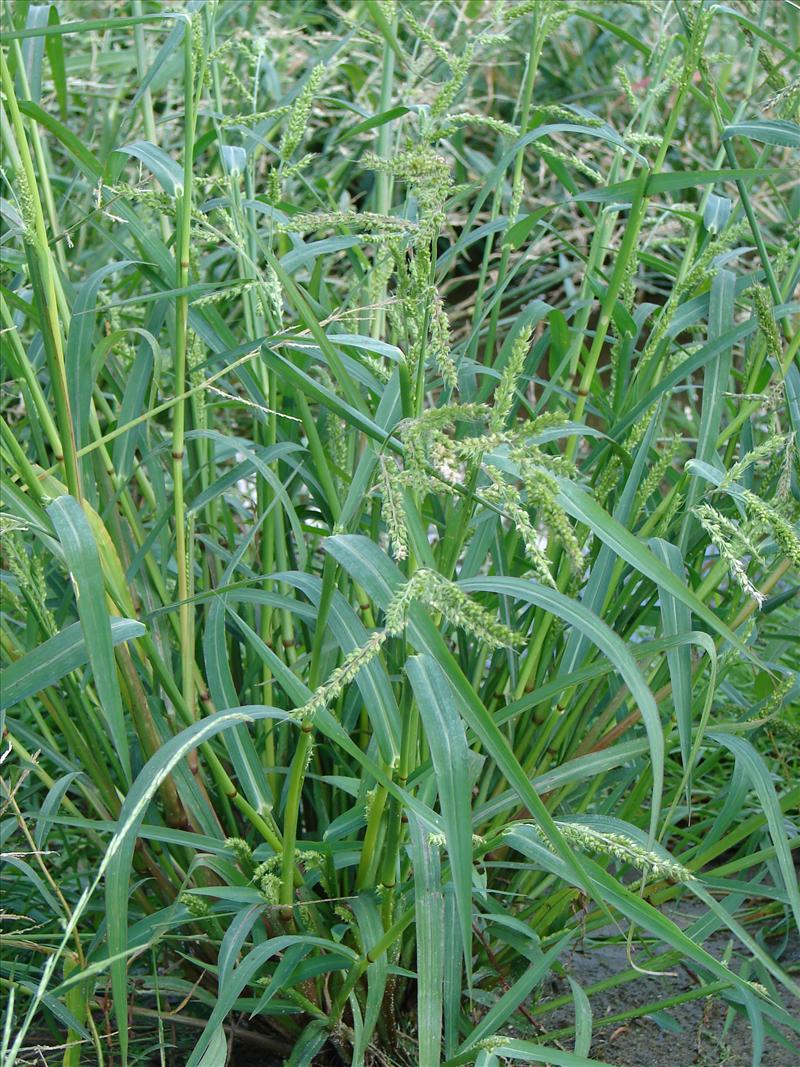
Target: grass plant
400,524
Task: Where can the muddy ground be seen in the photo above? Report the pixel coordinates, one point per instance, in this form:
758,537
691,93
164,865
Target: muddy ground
697,1033
693,1034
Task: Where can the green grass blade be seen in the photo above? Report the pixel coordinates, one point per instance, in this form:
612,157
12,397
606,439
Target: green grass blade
432,947
760,780
520,991
48,663
80,372
768,131
444,732
677,619
583,1018
166,170
83,561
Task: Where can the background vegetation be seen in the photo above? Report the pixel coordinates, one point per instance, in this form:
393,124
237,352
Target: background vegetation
400,559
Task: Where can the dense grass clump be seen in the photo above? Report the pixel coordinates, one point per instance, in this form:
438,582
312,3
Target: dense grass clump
400,526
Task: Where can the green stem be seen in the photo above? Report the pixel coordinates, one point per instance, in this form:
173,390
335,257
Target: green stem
51,326
383,184
186,611
291,817
538,37
372,956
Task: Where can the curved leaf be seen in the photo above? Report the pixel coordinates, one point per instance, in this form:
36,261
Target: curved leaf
575,614
83,561
63,652
767,131
444,732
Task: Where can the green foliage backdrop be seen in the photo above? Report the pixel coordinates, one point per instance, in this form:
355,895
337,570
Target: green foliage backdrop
400,496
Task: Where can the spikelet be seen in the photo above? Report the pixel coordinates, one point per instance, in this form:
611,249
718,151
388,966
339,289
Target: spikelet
786,101
471,448
28,571
788,465
392,510
337,443
295,128
699,20
768,517
657,471
440,342
517,190
552,11
254,117
459,69
642,140
701,271
152,198
509,379
240,90
443,456
425,34
335,432
266,878
291,170
768,448
542,491
673,508
429,179
772,706
788,716
774,76
197,31
378,278
314,860
236,289
427,444
422,434
197,907
766,322
27,208
570,158
324,220
732,545
608,480
565,114
195,360
626,85
274,294
343,675
241,850
505,496
482,122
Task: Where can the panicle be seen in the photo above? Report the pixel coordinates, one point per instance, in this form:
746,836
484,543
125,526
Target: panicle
436,592
732,545
625,849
